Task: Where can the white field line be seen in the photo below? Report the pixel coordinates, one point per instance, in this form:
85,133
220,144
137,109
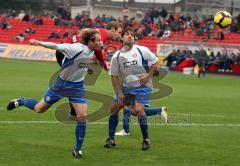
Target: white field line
23,108
105,123
210,115
181,114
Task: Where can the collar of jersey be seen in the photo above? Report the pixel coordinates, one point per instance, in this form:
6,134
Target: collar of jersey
129,50
86,50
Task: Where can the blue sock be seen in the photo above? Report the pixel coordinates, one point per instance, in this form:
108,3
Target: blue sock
152,111
30,103
112,125
143,125
80,134
126,120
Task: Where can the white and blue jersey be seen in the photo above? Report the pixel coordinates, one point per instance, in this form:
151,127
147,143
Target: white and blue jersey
131,65
69,83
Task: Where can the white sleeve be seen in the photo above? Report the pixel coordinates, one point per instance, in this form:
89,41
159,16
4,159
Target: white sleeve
67,49
148,55
114,68
50,45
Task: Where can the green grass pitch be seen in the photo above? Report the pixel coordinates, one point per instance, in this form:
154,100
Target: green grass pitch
205,128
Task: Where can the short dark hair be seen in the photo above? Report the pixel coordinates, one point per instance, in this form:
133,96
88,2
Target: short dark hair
113,24
129,29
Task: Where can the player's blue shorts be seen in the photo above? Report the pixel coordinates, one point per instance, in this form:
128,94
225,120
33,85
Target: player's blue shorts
142,95
74,91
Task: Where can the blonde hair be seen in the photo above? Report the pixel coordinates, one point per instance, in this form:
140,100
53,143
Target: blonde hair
87,35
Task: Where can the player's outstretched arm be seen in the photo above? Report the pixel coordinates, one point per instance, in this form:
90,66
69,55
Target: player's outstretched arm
35,42
50,45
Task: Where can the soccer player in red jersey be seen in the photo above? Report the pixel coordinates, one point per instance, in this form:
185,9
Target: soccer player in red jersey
112,31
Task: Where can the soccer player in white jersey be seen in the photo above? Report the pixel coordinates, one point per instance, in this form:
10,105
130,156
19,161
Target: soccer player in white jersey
162,111
131,63
69,83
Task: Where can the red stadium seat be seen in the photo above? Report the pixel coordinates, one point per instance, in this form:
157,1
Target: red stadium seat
236,68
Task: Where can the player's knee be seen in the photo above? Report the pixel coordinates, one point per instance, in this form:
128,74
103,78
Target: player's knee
114,112
138,110
134,112
115,109
141,112
39,110
82,118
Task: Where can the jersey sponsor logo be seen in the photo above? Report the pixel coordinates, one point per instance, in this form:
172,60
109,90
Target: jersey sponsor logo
129,64
134,55
82,65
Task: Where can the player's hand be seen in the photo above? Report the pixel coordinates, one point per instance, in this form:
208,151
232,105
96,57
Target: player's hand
144,79
106,66
90,71
120,99
34,42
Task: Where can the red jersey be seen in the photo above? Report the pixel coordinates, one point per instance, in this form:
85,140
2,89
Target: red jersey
99,54
104,35
72,39
76,38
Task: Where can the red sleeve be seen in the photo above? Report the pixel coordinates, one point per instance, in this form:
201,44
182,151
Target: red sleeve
101,58
67,40
76,38
72,39
104,34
